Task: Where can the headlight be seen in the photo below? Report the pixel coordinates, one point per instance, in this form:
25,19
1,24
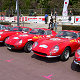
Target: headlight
78,52
54,49
35,44
1,32
20,41
0,36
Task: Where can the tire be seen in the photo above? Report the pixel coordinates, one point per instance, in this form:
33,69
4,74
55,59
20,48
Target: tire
65,55
28,47
51,28
5,40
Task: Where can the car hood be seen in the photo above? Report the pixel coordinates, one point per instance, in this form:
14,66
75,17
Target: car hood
54,41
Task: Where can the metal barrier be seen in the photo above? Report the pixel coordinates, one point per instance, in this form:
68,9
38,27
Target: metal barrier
41,19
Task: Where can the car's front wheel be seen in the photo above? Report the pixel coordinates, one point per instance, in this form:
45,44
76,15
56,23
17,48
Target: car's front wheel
28,47
5,40
65,54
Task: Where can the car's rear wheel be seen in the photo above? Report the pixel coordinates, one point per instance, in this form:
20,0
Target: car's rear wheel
28,47
65,54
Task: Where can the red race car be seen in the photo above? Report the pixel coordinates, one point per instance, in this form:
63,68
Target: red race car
14,30
26,40
77,57
65,43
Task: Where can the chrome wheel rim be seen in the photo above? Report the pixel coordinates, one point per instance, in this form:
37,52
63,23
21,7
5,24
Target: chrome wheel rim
29,47
66,54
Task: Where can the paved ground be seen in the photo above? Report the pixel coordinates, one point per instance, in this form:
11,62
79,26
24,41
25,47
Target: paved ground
18,65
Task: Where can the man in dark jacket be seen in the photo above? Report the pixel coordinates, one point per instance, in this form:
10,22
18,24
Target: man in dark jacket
51,24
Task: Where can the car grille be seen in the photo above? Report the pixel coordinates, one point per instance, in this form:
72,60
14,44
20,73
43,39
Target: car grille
40,53
8,45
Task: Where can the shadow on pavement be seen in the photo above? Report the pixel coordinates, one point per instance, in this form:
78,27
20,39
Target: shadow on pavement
16,51
2,45
75,67
47,60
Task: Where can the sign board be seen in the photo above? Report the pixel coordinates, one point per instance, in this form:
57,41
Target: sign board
41,19
63,19
77,19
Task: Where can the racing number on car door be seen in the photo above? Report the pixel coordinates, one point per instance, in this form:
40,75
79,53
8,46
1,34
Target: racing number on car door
37,37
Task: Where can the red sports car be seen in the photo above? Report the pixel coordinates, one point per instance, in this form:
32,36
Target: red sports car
14,30
65,43
77,57
26,40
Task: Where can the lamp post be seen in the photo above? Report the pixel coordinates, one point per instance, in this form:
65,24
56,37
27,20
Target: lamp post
17,8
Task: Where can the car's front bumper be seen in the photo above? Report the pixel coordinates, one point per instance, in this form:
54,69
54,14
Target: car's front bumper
52,56
45,55
77,63
14,46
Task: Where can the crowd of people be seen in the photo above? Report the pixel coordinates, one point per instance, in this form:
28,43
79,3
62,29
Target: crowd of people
53,22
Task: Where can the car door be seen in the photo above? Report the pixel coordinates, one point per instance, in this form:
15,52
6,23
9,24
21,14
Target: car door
78,39
75,42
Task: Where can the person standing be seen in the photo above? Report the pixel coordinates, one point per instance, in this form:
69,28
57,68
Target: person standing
46,18
51,13
51,24
70,15
55,22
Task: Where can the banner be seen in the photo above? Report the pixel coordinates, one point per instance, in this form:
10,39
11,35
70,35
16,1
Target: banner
65,11
77,19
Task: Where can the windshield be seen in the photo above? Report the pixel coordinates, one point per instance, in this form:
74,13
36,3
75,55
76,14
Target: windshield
66,34
37,31
25,29
8,28
16,29
2,27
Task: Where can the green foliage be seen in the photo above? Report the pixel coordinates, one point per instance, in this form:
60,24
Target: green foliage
5,23
34,4
24,4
